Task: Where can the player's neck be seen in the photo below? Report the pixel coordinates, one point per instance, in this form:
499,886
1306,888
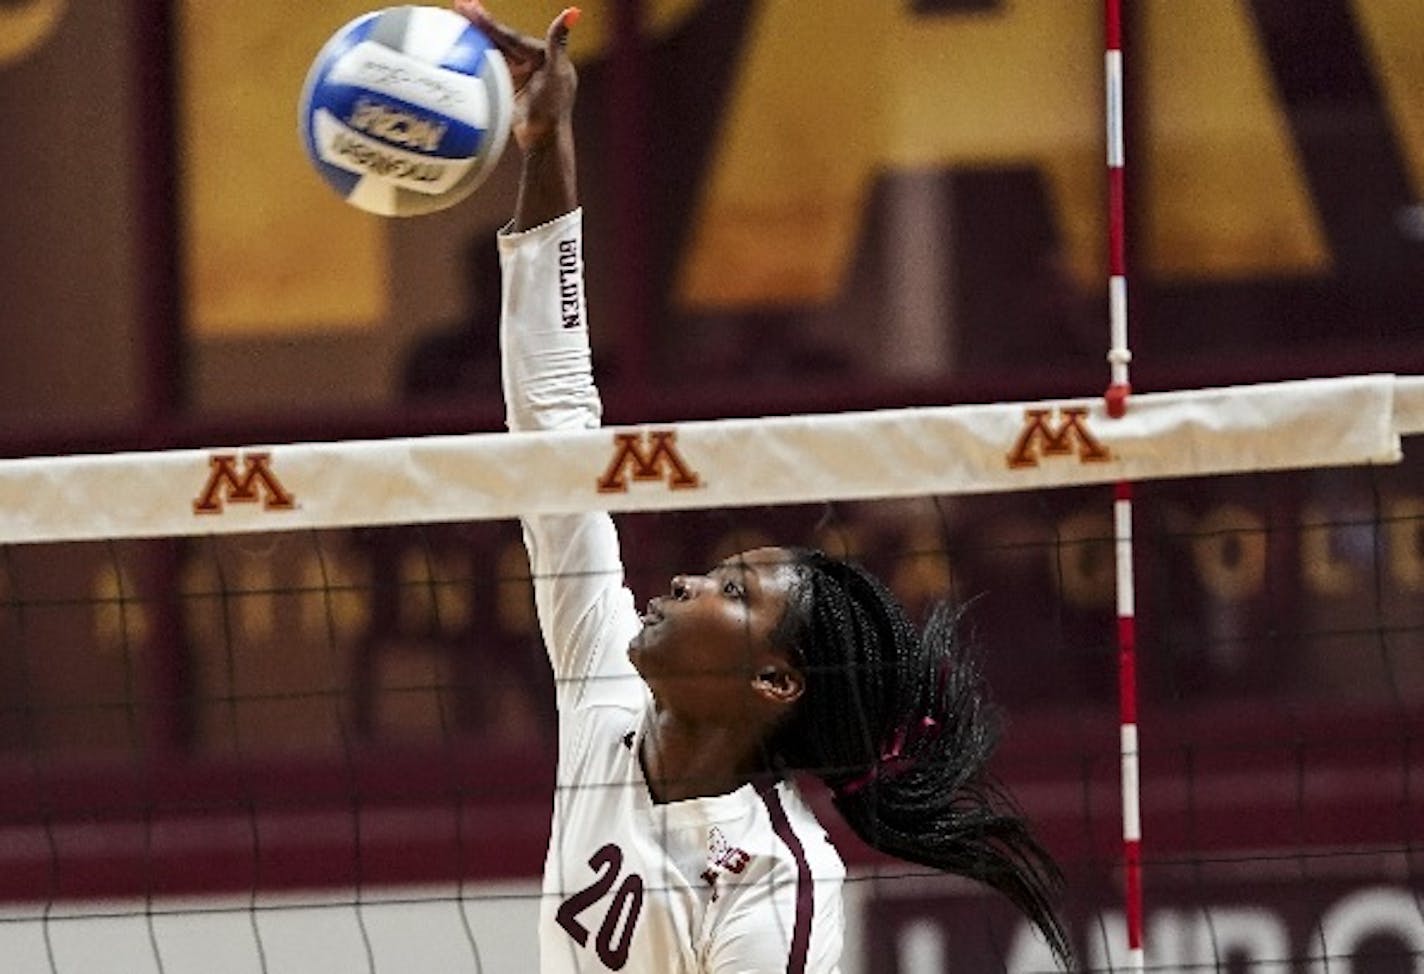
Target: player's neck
682,760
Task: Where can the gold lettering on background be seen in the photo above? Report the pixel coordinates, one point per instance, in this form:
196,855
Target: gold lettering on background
119,620
1223,191
1394,35
1082,560
269,248
1404,534
26,25
1324,571
882,88
1229,550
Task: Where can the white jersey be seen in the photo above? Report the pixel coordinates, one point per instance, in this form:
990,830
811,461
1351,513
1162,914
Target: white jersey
742,882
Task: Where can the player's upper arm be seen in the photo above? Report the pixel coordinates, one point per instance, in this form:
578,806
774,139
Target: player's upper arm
584,612
761,937
586,616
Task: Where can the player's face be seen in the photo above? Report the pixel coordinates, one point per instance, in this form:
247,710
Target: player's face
704,644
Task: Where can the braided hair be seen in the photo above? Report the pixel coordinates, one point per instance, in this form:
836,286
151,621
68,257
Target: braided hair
896,722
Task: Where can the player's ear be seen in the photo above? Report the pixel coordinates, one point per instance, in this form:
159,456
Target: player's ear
779,683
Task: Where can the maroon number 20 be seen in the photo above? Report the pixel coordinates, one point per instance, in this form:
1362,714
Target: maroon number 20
615,934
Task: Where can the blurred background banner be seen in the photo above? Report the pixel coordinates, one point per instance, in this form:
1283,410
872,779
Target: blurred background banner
753,200
26,25
267,248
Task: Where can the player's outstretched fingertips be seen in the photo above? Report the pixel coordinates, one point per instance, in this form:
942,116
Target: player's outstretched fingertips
475,11
559,30
511,43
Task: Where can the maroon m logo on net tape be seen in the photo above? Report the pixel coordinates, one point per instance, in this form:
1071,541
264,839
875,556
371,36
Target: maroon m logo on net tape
242,479
1041,438
648,456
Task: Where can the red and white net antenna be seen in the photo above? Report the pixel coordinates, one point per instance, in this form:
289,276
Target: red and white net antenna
1117,393
1118,355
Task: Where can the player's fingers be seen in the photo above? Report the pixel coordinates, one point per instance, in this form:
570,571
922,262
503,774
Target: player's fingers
558,37
511,43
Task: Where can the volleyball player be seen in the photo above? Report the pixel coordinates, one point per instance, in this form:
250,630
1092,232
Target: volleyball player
679,841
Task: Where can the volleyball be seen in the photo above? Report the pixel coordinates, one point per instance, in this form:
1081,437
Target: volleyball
406,110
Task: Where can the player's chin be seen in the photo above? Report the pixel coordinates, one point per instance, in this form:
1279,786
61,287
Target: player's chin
645,648
638,648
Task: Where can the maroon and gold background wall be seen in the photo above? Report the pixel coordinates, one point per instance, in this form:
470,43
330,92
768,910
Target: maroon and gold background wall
924,209
68,276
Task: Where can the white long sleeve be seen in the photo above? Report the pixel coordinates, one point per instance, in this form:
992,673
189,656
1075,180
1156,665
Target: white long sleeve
547,367
586,616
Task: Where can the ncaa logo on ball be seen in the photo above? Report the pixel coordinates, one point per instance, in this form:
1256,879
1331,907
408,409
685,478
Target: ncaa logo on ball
406,110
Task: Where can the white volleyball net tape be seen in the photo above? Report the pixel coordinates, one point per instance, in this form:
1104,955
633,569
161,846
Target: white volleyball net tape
282,708
894,453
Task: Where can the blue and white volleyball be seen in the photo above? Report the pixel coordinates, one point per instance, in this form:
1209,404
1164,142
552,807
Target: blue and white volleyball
406,110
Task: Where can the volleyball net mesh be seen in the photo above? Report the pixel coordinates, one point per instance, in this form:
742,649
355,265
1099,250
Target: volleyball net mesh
285,709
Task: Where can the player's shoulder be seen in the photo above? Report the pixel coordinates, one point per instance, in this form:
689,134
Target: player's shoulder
778,890
599,741
794,837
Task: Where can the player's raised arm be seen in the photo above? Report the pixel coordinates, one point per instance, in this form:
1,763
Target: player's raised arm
547,375
585,615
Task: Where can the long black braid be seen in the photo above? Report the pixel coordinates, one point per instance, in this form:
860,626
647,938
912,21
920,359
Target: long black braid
898,724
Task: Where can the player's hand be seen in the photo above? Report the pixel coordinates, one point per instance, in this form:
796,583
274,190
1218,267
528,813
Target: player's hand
545,80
